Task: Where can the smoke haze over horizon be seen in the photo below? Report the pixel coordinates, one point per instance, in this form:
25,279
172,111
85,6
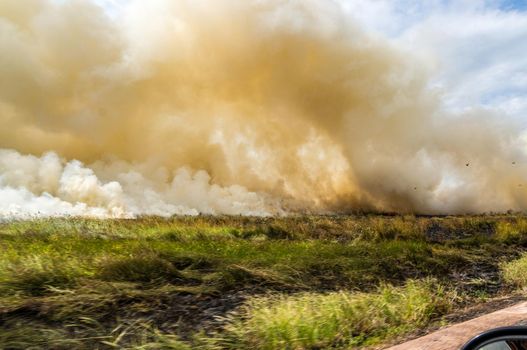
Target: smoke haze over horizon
258,107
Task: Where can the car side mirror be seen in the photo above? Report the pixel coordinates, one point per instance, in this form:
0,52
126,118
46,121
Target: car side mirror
505,338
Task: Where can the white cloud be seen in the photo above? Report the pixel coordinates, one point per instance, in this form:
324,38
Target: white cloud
482,56
478,47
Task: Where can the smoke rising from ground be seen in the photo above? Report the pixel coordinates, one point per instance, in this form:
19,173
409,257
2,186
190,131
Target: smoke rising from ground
239,107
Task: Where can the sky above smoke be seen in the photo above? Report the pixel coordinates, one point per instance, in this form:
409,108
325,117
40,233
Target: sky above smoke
264,107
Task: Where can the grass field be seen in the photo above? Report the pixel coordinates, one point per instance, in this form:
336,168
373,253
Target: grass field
309,282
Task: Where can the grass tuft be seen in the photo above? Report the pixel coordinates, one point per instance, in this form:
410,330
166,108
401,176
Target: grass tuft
334,320
512,232
147,268
515,272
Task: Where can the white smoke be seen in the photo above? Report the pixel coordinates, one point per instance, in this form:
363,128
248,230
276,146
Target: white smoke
49,186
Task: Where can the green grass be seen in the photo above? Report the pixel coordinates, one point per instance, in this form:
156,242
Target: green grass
65,280
515,272
125,336
512,232
334,320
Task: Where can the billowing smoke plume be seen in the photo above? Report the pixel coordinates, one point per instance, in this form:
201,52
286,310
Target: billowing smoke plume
250,107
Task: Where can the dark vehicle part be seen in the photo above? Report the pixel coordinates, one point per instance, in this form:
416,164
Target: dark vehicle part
504,338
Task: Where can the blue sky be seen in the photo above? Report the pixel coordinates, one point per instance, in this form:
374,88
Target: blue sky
476,49
518,5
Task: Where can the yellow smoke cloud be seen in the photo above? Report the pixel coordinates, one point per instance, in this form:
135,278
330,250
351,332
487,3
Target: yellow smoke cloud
251,107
